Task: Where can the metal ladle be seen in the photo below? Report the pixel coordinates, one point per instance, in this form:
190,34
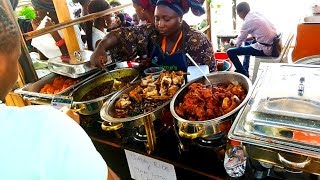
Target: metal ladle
205,76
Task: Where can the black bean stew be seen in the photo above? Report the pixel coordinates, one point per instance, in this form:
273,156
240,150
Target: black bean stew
105,88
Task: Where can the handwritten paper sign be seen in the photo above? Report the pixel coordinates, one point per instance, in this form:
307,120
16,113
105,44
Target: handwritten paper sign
145,168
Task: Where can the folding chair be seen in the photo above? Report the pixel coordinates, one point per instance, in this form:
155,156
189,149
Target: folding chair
266,59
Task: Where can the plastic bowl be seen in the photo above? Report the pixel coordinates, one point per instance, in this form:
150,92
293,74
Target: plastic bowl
154,71
226,65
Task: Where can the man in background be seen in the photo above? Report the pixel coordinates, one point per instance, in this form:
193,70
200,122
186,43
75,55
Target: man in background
262,32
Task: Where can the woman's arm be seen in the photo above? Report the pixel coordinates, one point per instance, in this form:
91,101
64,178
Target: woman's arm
99,56
56,36
127,40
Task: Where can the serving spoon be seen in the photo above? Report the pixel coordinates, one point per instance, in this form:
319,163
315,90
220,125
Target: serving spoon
116,84
205,76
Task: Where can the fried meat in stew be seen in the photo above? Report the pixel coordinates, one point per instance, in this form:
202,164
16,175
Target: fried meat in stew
149,94
202,103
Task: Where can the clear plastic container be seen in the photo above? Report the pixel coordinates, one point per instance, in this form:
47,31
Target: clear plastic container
235,159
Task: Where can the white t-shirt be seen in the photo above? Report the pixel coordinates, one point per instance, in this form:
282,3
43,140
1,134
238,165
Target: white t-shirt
39,142
96,36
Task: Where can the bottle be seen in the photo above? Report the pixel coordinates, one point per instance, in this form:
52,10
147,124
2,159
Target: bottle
235,159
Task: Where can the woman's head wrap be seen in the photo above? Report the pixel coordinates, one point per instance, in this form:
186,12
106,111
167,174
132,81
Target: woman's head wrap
46,5
148,5
181,7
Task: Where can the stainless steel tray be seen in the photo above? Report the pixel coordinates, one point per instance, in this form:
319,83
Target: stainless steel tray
74,71
312,60
291,107
284,159
32,90
274,120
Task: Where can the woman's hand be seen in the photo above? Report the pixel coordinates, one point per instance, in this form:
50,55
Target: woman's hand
98,57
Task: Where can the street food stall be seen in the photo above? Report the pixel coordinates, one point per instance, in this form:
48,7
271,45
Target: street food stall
148,135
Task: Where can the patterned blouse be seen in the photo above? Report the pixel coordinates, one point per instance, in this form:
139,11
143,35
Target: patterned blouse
140,40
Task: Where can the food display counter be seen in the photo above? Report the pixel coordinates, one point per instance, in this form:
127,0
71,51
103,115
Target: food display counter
188,155
188,148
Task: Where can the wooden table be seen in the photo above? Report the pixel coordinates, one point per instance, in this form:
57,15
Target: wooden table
198,164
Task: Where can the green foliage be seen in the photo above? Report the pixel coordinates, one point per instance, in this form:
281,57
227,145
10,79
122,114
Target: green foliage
109,1
28,12
202,24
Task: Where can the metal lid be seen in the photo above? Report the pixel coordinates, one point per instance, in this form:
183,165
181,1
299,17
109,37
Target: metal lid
314,60
57,66
283,112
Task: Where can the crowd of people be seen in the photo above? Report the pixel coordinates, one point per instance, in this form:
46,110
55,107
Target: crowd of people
256,37
51,145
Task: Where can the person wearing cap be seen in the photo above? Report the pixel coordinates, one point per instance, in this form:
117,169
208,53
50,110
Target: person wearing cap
166,42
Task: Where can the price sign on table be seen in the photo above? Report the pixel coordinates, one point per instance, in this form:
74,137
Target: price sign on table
145,168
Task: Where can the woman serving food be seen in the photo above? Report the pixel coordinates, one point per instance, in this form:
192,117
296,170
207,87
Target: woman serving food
166,42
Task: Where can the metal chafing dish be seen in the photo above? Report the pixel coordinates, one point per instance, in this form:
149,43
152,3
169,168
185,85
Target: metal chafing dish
281,123
311,60
93,106
202,129
147,119
31,91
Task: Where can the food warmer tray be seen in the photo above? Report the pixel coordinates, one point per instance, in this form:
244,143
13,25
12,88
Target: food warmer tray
56,65
311,60
280,124
31,91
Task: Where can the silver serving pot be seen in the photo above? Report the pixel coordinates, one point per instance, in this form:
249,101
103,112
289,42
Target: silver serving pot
201,129
111,123
94,105
108,110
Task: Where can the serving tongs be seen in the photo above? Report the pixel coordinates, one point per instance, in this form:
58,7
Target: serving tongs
205,76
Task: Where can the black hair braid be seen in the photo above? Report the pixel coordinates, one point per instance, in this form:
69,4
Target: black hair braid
9,35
